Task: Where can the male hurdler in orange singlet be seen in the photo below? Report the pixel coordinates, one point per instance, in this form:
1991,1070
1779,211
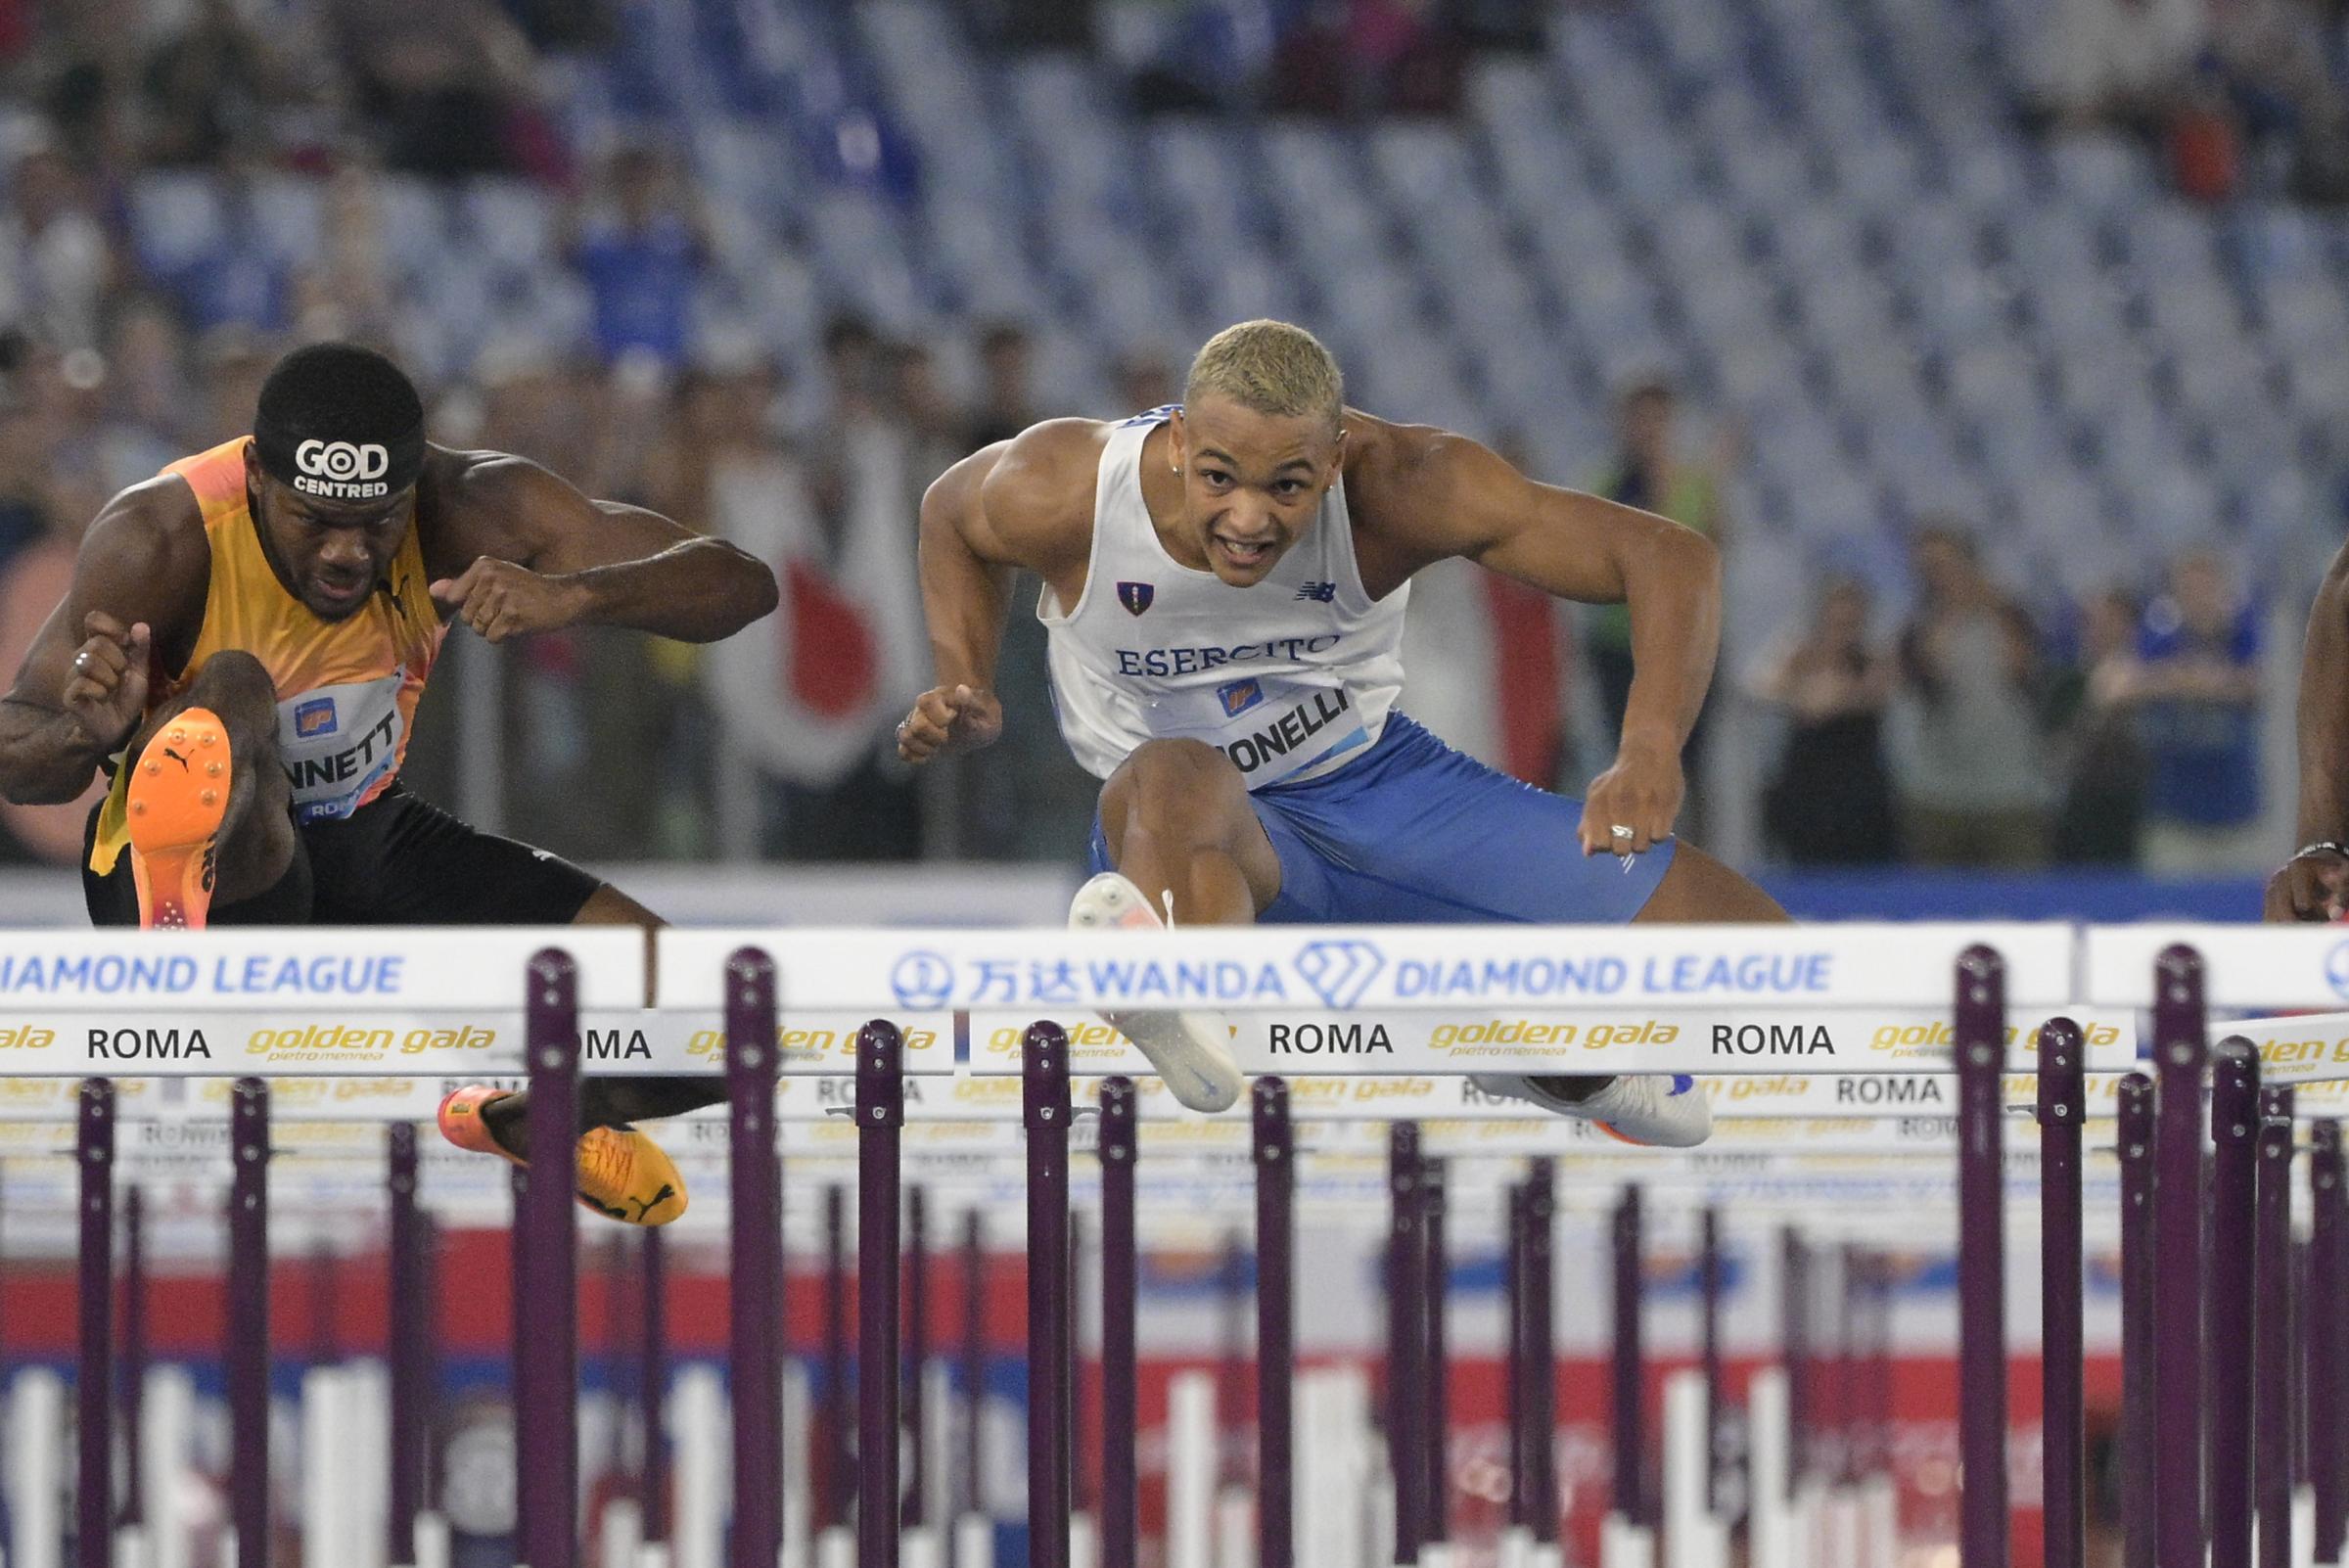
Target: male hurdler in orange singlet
243,649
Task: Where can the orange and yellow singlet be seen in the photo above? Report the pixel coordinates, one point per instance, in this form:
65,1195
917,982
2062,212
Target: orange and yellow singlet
346,690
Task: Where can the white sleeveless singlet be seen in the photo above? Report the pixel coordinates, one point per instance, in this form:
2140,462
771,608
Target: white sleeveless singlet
1289,679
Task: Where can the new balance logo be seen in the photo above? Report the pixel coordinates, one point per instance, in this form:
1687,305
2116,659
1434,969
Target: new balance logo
1319,592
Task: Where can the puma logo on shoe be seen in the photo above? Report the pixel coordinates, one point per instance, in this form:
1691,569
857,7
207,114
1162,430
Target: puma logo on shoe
176,757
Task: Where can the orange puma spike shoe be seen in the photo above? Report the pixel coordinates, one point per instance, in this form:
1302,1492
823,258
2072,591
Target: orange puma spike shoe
178,794
622,1174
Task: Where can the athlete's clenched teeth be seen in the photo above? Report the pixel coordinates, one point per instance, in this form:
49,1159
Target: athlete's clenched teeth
1245,555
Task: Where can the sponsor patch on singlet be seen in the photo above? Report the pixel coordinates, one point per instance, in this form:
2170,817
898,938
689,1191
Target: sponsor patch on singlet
339,742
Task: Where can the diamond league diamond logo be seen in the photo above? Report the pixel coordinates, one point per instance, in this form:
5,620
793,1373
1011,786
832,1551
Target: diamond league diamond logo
923,980
2337,968
1339,971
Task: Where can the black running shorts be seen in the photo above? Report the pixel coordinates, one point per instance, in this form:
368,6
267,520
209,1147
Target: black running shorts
395,862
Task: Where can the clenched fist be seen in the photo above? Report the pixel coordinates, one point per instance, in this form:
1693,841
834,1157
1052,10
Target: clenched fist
106,692
2311,885
498,600
950,719
1640,794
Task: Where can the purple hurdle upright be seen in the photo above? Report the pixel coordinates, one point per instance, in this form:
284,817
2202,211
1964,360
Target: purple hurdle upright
1709,1342
1794,1349
755,1285
831,1441
1407,1343
1436,1358
2180,1058
1044,1070
2234,1234
1513,1381
914,1514
652,1386
518,1322
550,1239
1121,1484
2327,1249
1627,1401
1981,1044
93,1385
2062,1106
1541,1349
2272,1392
406,1348
970,1496
2135,1130
880,1113
133,1391
247,1353
1274,1147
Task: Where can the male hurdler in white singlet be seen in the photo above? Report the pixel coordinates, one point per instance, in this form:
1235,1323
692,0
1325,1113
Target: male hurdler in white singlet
1224,587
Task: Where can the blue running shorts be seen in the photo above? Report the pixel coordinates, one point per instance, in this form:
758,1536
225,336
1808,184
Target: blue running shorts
1412,832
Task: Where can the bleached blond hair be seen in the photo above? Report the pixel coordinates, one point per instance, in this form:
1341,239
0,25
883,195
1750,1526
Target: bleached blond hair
1271,368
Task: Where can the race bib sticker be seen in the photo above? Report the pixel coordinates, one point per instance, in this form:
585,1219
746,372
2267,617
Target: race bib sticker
1269,726
339,742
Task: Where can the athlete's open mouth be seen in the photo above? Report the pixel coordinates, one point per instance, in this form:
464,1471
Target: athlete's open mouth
1240,554
339,593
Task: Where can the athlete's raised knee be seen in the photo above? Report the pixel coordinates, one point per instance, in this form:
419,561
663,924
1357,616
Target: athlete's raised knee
1165,781
234,684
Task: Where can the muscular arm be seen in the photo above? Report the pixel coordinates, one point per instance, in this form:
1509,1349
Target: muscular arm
613,564
143,563
1452,497
2323,714
966,573
1026,503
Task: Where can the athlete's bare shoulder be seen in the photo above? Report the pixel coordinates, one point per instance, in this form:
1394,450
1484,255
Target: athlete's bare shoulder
144,557
1390,465
1403,483
1027,501
475,501
154,531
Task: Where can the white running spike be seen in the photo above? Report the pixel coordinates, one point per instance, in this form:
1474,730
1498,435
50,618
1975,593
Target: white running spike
1190,1050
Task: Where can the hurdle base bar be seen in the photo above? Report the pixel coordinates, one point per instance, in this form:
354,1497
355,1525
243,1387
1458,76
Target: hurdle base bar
1625,1544
1235,1528
432,1541
974,1541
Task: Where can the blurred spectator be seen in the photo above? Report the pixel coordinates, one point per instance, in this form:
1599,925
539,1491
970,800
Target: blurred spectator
1146,378
148,393
1006,406
348,292
232,278
1831,801
56,262
2198,702
220,83
1490,662
444,86
1971,781
1182,55
934,426
231,363
812,697
1651,470
2124,63
642,252
2103,802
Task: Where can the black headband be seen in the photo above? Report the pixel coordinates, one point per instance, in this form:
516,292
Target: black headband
345,465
